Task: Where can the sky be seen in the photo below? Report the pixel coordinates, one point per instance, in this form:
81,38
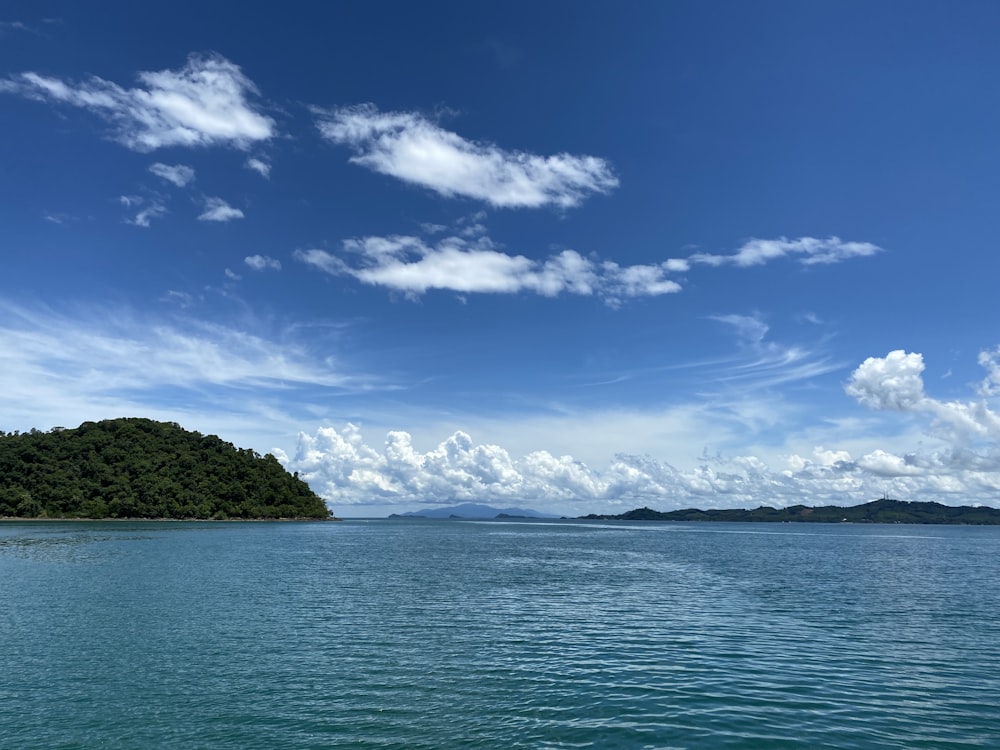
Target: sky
577,257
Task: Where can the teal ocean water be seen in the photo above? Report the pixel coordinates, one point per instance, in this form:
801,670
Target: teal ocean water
447,634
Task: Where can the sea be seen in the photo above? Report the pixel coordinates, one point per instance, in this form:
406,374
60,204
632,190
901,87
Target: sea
409,633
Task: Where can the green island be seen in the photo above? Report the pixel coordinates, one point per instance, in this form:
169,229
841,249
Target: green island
884,510
143,469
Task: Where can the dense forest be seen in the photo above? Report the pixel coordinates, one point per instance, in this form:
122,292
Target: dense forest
139,468
877,511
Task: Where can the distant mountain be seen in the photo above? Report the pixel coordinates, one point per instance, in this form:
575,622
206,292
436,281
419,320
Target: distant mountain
877,511
473,511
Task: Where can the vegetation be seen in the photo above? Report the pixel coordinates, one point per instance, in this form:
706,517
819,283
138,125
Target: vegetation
878,511
138,468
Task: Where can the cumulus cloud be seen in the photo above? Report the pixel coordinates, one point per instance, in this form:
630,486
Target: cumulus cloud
347,470
895,382
178,174
409,147
262,263
474,264
890,382
216,209
205,103
808,250
885,464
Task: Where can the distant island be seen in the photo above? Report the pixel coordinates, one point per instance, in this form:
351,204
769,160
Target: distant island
472,511
884,510
139,468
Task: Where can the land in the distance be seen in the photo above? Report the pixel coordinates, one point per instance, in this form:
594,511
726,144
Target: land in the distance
139,468
472,511
877,511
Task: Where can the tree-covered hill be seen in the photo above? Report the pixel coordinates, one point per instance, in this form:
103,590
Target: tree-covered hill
139,468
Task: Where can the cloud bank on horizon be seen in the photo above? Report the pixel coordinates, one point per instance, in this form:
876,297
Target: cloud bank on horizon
306,260
347,471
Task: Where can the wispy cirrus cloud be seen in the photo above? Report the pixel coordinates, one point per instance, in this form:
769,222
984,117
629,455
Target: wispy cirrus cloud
13,26
208,102
470,262
216,209
411,148
109,349
764,364
177,174
64,366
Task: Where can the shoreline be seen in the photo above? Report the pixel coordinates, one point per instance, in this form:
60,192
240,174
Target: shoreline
20,519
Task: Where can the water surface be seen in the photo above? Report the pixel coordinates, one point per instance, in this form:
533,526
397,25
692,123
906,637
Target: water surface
442,634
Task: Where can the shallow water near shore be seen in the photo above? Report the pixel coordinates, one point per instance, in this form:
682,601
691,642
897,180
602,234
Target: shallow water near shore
515,634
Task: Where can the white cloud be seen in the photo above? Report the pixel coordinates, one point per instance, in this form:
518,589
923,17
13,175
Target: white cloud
885,464
468,261
94,363
144,216
216,209
894,383
342,467
409,147
637,281
750,327
347,470
179,174
809,250
112,349
205,103
891,382
262,263
150,209
990,360
259,166
465,265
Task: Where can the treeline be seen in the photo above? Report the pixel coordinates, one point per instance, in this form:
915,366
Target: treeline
139,468
877,511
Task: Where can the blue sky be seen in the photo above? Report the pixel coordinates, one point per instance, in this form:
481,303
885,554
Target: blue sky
578,257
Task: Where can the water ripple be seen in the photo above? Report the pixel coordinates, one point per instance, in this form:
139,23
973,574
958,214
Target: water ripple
514,635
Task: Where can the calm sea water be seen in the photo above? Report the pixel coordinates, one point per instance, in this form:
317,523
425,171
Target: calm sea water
447,634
